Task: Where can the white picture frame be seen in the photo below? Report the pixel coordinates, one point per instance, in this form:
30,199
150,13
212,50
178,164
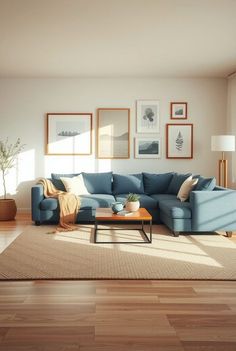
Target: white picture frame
69,134
148,116
147,147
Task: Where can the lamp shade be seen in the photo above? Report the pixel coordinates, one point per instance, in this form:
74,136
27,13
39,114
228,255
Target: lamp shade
223,143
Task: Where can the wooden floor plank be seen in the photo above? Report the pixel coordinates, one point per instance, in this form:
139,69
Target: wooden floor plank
115,315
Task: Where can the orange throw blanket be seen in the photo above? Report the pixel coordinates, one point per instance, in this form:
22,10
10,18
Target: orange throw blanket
69,205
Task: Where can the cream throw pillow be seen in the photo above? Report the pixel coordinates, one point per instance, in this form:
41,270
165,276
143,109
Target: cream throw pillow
185,188
75,185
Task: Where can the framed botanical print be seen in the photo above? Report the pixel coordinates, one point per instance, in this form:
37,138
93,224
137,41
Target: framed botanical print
148,116
178,110
147,147
179,141
113,133
69,134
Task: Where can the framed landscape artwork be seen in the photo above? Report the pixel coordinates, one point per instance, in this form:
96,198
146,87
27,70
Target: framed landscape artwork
113,133
69,134
179,141
178,110
148,116
147,148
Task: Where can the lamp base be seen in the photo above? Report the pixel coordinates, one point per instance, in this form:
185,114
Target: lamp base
223,173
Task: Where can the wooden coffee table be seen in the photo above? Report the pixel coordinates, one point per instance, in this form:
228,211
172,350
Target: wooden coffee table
104,215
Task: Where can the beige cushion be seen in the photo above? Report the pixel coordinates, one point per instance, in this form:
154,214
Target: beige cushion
185,188
75,185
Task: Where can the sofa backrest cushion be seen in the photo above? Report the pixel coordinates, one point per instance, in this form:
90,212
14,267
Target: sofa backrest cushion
206,184
129,183
75,185
156,183
176,182
56,179
98,183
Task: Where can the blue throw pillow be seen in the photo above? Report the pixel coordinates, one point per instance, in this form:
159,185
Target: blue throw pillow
129,183
156,183
56,181
98,183
206,184
176,182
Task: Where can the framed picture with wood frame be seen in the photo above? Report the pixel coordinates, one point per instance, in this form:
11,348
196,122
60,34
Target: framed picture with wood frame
113,133
179,141
69,134
178,110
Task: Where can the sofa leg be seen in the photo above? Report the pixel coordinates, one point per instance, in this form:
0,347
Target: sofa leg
176,233
37,223
229,234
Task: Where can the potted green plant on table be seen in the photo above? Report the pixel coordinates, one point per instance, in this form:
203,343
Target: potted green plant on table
132,202
8,156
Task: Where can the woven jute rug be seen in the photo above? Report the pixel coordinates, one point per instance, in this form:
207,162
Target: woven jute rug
35,254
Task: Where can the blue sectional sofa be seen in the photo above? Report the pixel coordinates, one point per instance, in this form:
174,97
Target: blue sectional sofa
209,207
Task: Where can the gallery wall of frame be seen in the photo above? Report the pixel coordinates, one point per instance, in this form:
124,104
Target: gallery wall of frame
71,133
147,122
179,136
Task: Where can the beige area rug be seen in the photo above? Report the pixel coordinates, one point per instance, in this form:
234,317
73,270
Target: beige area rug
38,255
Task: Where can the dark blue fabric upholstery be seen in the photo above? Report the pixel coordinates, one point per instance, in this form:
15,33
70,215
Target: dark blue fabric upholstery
175,208
49,204
205,184
176,182
160,197
98,183
96,200
156,183
129,183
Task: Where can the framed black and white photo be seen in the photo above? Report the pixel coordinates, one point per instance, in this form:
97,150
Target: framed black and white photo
148,116
178,110
147,147
113,133
179,141
69,134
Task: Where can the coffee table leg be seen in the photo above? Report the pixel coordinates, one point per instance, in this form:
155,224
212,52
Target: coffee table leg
150,230
95,232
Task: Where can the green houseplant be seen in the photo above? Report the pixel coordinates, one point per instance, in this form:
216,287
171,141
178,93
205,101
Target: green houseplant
8,156
132,202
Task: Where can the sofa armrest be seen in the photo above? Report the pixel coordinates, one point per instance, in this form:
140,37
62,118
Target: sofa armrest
36,197
213,210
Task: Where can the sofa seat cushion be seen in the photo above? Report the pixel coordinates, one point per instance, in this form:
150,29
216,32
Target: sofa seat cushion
160,197
96,200
176,209
49,204
145,200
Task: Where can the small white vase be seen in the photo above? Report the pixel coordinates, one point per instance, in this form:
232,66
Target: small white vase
132,206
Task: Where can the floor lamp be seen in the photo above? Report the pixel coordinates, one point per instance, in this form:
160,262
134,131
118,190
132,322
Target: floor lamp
223,143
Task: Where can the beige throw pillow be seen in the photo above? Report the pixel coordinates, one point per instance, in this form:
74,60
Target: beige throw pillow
75,185
185,188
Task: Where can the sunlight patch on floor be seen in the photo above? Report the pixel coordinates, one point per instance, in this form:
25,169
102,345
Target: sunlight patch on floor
163,246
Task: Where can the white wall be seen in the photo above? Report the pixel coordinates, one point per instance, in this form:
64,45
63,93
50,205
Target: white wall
24,103
231,127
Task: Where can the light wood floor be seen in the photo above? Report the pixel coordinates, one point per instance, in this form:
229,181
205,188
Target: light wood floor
114,315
